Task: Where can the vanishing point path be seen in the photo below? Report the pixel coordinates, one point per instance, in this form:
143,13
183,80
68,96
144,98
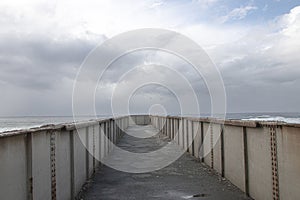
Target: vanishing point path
185,178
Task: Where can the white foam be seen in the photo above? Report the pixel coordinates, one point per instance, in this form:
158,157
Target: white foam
278,118
16,128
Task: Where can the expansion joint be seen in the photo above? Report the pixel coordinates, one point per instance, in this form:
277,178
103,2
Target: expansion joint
274,162
211,146
53,164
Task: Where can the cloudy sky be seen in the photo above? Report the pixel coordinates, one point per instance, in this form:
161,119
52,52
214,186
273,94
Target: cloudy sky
254,44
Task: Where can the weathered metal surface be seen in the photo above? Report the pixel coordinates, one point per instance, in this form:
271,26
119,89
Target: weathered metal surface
246,164
275,182
53,164
211,146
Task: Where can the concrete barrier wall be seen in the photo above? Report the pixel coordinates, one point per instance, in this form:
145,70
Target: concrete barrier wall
261,158
207,144
41,166
234,156
260,166
197,141
52,162
289,163
139,120
13,166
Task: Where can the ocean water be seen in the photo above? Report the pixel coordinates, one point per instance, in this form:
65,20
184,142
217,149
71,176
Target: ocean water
287,117
18,123
279,116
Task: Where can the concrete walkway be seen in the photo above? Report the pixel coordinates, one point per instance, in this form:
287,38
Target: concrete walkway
186,178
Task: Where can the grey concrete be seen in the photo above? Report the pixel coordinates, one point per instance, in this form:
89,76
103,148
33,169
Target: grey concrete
79,159
234,156
207,143
259,155
288,162
197,138
217,147
180,180
25,160
41,170
63,174
13,168
25,168
139,120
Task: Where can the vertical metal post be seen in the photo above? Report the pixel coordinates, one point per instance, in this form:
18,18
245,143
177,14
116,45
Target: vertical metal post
222,151
87,163
72,170
104,139
201,144
274,161
193,138
246,164
108,136
187,135
178,132
182,128
173,129
100,145
211,146
112,133
169,127
94,150
29,166
53,164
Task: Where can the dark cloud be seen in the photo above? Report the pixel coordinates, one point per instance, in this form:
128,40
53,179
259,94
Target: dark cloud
40,62
37,68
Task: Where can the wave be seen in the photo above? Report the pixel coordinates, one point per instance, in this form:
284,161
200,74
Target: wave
6,129
21,123
277,118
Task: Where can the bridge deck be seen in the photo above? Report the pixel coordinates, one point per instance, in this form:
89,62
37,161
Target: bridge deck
186,178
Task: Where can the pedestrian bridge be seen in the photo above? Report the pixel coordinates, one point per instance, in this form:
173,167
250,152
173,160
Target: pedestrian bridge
231,159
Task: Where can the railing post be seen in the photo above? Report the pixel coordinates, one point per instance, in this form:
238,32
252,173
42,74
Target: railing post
246,164
87,153
201,144
182,132
222,151
178,131
53,164
29,166
100,143
211,146
72,172
169,127
193,138
107,136
274,162
114,131
94,150
187,135
111,134
104,138
173,130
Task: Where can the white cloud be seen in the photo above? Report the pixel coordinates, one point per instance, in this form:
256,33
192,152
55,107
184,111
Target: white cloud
266,62
238,13
207,2
156,4
291,23
48,40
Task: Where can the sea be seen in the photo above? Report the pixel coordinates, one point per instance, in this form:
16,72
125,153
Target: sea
27,122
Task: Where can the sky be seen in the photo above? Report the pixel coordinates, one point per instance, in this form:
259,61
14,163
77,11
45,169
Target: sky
254,44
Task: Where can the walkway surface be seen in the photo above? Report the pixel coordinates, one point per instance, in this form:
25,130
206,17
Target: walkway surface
185,178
